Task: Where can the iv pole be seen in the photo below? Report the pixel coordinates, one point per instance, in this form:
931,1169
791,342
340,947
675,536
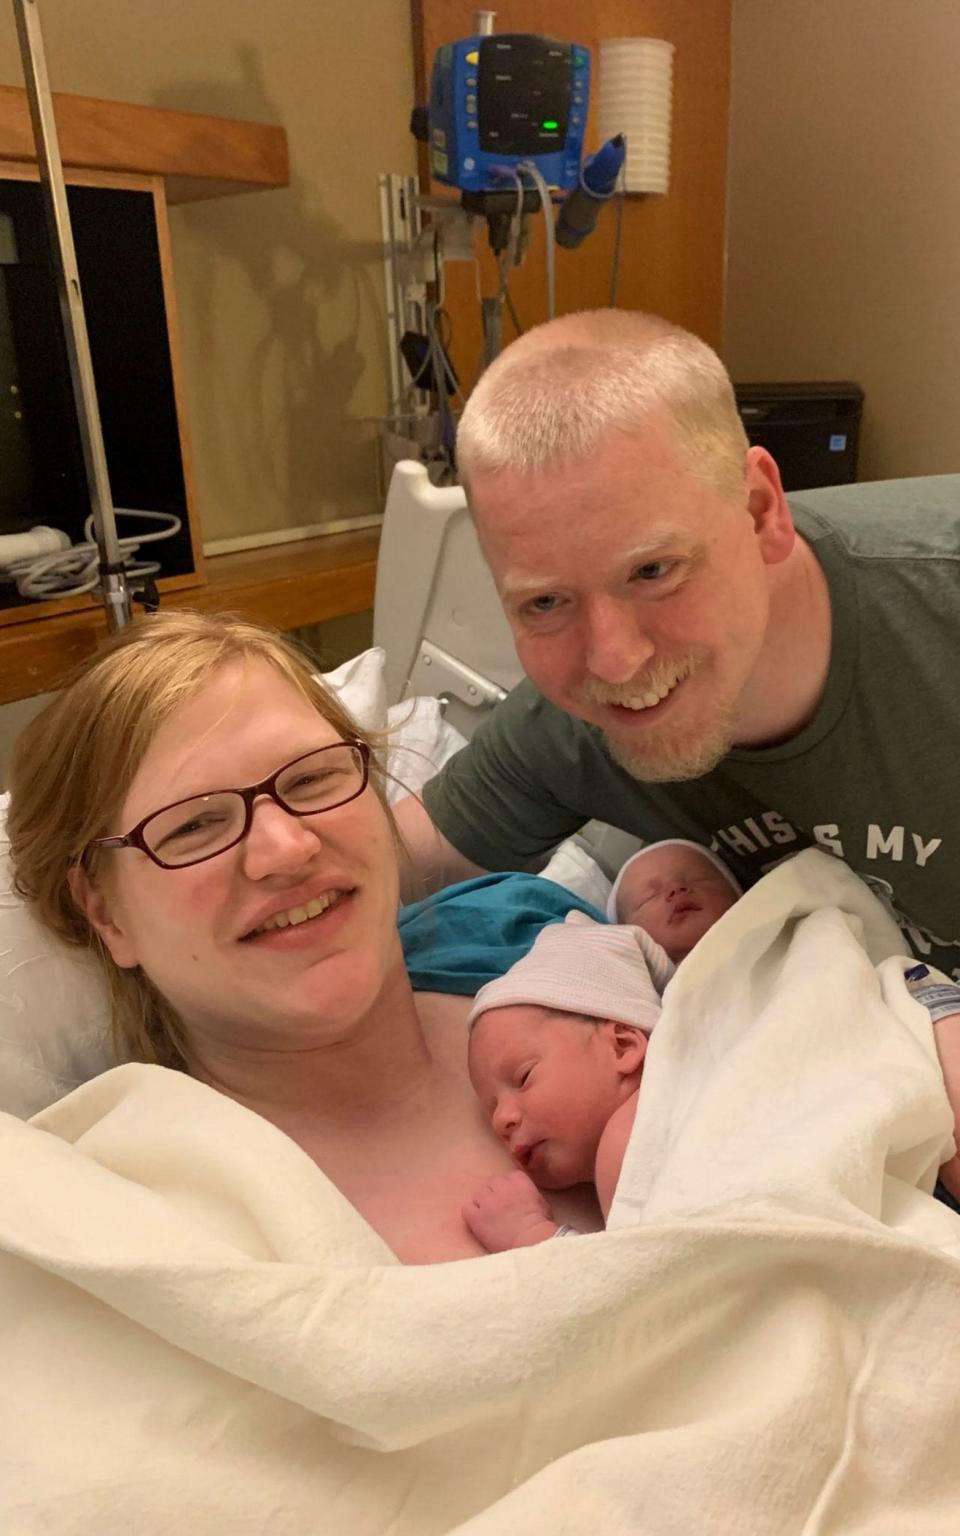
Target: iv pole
113,588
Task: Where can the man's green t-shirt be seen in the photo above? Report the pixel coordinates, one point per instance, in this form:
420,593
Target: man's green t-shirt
873,778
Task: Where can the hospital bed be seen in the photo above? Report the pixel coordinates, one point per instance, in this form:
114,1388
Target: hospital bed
202,1330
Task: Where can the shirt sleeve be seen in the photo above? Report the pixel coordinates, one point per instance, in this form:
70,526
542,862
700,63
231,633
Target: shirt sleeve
497,800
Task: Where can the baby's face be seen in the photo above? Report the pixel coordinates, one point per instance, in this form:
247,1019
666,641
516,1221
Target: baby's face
549,1083
676,894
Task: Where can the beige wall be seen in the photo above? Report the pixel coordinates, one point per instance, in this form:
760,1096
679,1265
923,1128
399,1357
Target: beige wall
844,213
280,293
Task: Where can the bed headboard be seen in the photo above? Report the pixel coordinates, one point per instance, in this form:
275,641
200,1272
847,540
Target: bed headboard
436,611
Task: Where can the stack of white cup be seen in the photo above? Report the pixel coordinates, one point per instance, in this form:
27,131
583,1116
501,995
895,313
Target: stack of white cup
636,88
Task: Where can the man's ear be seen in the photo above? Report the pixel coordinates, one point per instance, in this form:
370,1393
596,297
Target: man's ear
96,907
767,505
629,1046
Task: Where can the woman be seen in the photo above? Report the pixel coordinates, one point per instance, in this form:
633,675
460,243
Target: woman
249,934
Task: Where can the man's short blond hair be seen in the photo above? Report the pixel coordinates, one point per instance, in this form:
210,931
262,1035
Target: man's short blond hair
559,389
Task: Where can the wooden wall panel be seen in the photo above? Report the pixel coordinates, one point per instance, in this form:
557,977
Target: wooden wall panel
672,258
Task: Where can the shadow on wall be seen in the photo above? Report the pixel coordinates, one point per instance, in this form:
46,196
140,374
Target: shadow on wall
282,325
13,718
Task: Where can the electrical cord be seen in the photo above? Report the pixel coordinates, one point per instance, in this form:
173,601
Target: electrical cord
618,232
514,240
508,300
516,223
445,420
71,572
442,375
442,344
512,248
436,360
424,367
533,171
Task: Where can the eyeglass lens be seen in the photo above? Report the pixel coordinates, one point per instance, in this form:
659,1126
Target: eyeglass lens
197,828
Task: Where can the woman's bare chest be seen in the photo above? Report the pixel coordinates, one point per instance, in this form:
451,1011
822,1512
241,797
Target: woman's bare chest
420,1215
411,1182
414,1197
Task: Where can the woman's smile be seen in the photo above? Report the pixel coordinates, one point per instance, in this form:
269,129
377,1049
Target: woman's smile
289,931
294,907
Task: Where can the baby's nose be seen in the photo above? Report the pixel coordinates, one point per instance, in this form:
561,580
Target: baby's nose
505,1117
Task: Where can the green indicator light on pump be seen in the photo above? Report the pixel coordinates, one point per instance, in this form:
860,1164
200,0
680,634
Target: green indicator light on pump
551,125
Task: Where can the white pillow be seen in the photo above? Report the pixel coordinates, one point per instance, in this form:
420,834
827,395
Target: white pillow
54,1014
420,740
576,870
420,743
361,686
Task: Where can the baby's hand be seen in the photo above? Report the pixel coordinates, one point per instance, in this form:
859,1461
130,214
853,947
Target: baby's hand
508,1211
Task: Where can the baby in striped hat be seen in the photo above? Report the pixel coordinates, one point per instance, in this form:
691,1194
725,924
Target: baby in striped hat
675,890
555,1056
557,1044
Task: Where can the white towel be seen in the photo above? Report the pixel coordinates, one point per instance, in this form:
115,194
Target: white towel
197,1331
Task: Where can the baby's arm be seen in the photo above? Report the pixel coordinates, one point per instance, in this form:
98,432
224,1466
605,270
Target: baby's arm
508,1211
946,1032
613,1145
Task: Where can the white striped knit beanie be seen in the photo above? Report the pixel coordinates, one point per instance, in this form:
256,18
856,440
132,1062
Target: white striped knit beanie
667,842
606,970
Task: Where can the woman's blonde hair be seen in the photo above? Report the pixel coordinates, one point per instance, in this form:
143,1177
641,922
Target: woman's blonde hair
560,388
74,763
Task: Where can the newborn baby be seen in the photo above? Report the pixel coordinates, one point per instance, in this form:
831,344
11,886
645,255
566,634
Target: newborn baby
556,1056
557,1045
676,890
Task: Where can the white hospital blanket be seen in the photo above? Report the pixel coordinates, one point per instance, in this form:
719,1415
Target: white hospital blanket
198,1333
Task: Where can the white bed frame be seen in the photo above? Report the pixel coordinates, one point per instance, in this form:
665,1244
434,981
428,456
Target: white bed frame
436,611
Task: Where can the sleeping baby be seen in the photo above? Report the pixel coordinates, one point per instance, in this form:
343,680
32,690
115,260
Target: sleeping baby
675,890
557,1045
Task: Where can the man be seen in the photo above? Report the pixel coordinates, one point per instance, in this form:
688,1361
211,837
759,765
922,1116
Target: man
700,662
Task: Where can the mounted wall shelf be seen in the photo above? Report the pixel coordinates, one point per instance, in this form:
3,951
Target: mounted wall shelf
197,156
